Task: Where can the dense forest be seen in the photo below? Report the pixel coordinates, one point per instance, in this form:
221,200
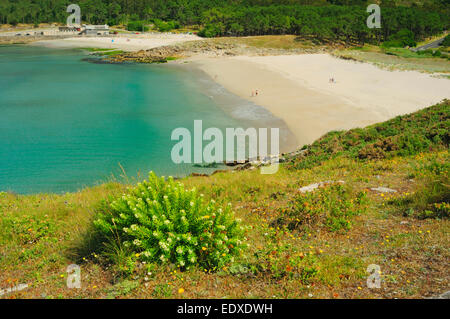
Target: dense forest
321,19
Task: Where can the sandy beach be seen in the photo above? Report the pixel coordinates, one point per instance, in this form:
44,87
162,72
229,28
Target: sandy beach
128,42
297,89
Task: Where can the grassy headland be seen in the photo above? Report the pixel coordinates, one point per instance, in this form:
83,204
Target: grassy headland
301,245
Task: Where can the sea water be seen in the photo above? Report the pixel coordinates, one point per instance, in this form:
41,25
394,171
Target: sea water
66,123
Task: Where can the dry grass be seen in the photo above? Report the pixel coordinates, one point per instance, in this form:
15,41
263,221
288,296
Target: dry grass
412,253
413,62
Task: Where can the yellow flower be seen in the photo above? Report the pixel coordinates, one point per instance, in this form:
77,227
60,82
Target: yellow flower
203,248
180,291
359,288
137,255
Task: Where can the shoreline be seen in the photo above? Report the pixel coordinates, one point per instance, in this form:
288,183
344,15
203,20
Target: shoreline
289,85
239,108
293,87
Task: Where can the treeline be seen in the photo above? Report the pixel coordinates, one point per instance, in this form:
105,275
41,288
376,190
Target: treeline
347,23
322,19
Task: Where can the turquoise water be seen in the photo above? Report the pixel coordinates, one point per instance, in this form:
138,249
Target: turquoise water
66,123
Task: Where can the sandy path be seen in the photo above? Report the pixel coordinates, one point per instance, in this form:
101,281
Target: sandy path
296,89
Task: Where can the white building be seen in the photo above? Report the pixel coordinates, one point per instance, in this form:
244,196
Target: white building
95,29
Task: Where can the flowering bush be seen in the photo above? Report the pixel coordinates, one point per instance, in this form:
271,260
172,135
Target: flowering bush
162,222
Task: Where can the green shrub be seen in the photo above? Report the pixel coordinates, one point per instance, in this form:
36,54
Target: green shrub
437,53
25,229
401,39
164,223
446,42
431,199
166,26
137,26
211,30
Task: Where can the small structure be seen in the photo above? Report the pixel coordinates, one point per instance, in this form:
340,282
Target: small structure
68,29
95,29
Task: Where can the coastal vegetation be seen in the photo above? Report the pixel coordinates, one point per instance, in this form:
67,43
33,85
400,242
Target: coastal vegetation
314,244
395,58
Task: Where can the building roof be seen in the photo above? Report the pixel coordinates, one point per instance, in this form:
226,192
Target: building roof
96,27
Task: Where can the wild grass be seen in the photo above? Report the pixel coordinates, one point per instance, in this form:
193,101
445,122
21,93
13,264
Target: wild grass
404,135
315,245
398,58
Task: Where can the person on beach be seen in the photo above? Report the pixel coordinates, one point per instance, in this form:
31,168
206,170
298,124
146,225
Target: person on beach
256,92
253,93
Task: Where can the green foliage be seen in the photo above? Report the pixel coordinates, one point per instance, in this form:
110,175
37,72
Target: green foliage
122,288
27,230
401,25
166,26
162,291
137,26
323,20
427,52
211,31
432,198
330,206
404,135
161,222
446,42
401,39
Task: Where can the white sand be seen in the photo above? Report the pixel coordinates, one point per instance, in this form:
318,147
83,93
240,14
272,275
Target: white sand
296,89
131,42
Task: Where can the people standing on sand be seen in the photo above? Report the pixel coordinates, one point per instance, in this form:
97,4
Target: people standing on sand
253,93
256,92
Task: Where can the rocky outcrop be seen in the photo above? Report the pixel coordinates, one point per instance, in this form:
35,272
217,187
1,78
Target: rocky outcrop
209,47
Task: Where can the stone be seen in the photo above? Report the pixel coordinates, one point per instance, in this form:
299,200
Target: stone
314,186
383,190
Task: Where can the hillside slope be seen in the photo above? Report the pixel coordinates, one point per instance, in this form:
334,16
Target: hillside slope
302,244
